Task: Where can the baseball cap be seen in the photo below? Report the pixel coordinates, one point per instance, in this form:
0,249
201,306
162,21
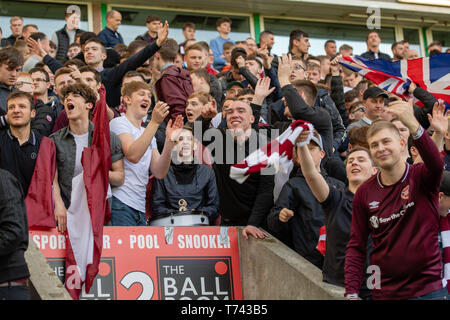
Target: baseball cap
445,183
235,83
374,92
318,140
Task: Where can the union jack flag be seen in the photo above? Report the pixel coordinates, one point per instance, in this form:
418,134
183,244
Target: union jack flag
431,74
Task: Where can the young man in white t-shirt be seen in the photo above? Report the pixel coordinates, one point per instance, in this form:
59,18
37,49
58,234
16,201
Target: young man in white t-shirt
142,157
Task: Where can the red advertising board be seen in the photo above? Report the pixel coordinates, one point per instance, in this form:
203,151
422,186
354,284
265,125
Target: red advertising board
157,263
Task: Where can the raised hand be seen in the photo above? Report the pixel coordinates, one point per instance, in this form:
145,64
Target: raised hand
163,33
160,112
405,113
240,61
173,129
209,111
262,90
439,118
35,47
334,66
284,69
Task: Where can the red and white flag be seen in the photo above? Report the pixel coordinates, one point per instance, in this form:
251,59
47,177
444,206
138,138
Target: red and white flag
276,154
445,236
39,199
89,209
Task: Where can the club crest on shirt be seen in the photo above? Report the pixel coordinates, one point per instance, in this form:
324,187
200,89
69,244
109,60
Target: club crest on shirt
374,221
405,193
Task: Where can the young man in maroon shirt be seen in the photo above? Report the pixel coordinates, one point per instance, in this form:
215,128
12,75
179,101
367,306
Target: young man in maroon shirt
399,208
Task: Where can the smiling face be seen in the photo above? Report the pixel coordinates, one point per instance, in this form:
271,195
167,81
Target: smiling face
194,59
374,107
359,167
139,102
94,54
386,148
184,146
239,116
19,112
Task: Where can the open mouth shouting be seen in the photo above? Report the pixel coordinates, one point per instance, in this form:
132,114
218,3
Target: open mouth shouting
70,106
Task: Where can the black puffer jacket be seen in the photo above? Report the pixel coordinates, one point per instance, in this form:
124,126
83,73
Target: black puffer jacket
195,183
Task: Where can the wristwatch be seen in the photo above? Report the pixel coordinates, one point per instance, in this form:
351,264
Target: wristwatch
416,135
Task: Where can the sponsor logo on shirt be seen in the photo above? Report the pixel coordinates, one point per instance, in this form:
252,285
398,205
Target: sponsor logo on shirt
376,222
374,205
405,193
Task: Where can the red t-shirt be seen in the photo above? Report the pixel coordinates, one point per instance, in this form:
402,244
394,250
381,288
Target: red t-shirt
403,220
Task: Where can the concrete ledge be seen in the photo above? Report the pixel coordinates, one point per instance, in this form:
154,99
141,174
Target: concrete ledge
272,271
45,285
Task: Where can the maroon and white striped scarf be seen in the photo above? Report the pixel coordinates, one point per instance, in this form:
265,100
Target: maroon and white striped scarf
277,153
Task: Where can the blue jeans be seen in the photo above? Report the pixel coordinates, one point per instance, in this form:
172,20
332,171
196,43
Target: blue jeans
441,294
123,215
15,293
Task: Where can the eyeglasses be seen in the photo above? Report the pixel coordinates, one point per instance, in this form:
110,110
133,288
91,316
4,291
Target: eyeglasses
39,80
22,83
298,67
362,109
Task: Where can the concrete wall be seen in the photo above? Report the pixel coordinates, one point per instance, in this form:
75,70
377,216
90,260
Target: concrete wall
272,271
44,284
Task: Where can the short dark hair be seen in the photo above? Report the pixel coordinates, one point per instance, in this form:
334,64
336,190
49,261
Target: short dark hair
12,57
20,94
235,53
74,44
76,62
152,17
265,33
135,45
188,25
52,45
83,90
42,70
195,46
372,31
97,75
222,20
25,27
98,41
85,36
244,92
357,136
296,34
168,51
38,36
351,95
434,43
133,73
201,73
329,41
360,147
308,88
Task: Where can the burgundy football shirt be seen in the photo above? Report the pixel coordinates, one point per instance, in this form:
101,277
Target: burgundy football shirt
403,220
